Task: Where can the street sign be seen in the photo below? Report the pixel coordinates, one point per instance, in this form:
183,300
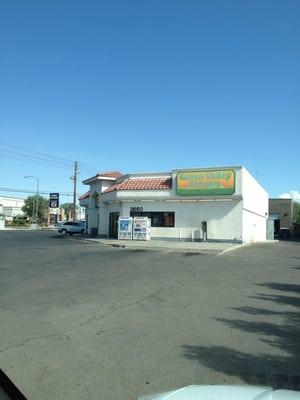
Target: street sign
54,200
206,183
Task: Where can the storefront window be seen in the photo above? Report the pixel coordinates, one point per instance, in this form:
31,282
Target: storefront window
158,219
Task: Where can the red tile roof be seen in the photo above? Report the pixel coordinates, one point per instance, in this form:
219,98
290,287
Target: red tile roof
110,174
142,184
84,196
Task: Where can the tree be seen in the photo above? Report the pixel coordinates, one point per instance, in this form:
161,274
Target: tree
296,213
67,207
30,206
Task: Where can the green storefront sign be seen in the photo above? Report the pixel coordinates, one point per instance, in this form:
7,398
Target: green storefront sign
206,183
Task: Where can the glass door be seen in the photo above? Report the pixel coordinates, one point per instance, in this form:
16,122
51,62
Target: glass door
113,224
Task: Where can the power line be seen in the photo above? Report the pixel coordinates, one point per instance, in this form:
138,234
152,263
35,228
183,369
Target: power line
35,162
32,191
87,166
86,171
24,156
34,157
37,153
29,154
39,158
46,164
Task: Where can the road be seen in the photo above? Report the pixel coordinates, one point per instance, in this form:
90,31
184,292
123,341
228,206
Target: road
80,320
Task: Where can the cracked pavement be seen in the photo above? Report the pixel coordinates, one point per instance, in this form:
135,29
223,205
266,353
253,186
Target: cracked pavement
80,320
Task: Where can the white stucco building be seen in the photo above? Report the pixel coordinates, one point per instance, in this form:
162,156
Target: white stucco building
225,202
11,206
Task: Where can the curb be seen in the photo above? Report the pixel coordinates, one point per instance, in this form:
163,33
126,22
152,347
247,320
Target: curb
230,249
16,229
249,244
179,249
157,248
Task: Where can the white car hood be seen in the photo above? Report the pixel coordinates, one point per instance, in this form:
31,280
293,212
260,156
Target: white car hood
228,392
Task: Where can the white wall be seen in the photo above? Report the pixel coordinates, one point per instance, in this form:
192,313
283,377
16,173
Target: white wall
254,227
81,213
92,221
224,218
12,211
255,208
103,220
137,194
11,206
84,202
98,214
11,202
240,217
104,210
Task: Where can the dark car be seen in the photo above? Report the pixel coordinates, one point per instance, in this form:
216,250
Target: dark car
284,233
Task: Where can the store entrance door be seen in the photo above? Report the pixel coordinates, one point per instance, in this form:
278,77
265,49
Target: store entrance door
113,224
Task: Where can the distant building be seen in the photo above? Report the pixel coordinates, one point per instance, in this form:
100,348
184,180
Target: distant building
281,212
11,206
84,206
80,213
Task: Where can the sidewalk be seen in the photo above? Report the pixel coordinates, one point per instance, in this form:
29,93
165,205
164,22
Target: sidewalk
216,248
29,229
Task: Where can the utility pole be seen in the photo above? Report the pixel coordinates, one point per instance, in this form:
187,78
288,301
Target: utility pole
37,200
74,190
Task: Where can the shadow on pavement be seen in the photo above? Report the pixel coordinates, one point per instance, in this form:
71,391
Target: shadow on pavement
58,236
282,300
66,240
284,287
282,331
135,250
191,254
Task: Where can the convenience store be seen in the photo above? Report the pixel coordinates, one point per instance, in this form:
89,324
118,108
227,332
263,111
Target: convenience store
217,204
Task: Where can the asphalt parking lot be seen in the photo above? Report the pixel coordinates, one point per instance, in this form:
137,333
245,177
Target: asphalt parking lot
80,320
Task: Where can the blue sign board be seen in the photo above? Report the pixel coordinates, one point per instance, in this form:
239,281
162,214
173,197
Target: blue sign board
125,225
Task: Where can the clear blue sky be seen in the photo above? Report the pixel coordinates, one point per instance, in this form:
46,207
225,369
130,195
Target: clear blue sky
151,85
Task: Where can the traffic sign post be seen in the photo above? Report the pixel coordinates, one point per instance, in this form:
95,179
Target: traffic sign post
54,200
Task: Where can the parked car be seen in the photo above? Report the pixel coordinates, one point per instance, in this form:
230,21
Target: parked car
284,233
70,227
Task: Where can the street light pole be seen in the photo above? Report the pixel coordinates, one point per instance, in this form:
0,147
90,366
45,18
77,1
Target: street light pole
37,196
37,200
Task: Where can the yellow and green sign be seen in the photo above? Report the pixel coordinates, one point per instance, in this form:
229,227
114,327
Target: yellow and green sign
206,183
